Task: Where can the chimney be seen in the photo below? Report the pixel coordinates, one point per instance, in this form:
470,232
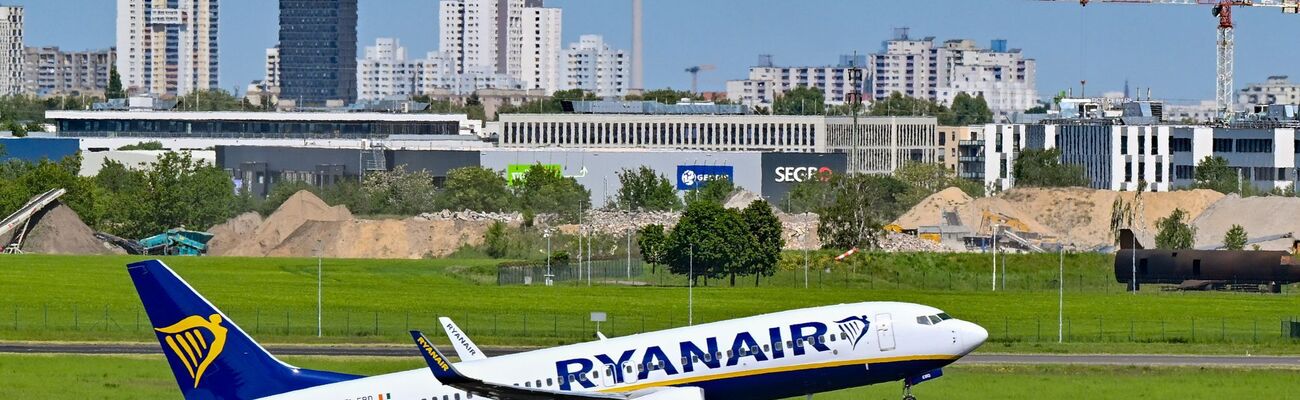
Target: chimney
638,53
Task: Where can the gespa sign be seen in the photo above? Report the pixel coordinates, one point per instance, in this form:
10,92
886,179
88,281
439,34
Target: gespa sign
691,177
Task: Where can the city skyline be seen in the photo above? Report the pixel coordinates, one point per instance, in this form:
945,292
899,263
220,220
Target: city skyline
1118,47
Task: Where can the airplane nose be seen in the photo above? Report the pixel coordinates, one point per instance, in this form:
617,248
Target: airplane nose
973,336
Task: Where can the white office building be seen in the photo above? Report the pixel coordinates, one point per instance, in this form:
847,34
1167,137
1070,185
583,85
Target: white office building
487,40
591,65
767,81
385,71
11,50
919,68
167,50
1154,157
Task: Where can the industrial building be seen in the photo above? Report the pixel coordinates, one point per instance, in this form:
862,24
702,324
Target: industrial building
876,145
772,175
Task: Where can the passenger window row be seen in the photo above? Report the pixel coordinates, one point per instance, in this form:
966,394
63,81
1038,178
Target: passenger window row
629,369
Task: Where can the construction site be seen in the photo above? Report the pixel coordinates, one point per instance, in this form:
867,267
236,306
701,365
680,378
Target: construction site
1019,220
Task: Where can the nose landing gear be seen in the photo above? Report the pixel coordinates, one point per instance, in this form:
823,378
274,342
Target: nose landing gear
907,392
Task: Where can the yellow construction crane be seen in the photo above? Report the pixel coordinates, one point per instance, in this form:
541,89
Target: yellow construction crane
1222,9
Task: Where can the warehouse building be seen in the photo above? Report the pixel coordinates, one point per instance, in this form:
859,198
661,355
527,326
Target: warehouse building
771,175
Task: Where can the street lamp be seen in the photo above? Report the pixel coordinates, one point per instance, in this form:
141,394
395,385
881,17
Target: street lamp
547,234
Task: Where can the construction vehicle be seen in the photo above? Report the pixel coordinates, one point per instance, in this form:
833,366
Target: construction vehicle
176,242
999,219
1224,96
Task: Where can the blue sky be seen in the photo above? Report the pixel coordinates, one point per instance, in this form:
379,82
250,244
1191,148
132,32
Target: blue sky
1166,47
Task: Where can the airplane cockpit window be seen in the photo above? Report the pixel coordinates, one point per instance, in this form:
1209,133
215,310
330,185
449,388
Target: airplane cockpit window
935,319
923,320
944,316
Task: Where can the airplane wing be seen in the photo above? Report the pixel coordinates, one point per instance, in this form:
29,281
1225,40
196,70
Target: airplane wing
465,348
447,374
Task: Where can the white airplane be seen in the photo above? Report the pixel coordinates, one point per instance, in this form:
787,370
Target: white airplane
770,356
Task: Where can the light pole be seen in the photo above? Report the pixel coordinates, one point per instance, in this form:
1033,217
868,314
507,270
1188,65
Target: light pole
690,289
319,292
547,234
1060,299
804,237
995,257
629,254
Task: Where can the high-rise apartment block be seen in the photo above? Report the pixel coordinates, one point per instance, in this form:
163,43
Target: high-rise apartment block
317,52
49,71
767,81
919,68
514,43
385,71
167,47
11,50
591,65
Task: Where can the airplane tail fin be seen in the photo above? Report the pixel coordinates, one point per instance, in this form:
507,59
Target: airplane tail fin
438,363
211,357
465,347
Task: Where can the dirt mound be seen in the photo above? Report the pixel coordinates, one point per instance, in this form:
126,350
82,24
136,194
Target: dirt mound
59,230
389,238
1260,216
930,210
226,237
741,199
1080,216
297,210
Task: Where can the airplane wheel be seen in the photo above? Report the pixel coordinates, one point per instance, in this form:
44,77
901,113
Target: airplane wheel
909,397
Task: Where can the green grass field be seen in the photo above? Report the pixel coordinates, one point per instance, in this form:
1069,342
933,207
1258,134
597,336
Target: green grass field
135,377
377,301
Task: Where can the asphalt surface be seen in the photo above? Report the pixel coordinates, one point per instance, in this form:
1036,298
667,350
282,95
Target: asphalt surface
974,359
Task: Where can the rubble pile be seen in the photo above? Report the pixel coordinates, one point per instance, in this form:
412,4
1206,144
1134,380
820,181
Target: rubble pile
898,242
467,215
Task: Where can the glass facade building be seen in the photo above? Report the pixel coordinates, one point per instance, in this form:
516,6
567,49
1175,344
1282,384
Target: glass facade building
318,51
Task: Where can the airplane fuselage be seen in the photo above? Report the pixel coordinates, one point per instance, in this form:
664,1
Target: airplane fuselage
767,356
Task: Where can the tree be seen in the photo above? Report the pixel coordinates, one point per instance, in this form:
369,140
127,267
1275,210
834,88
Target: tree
495,243
653,243
859,205
766,228
547,191
807,196
716,191
666,96
1214,173
898,105
709,240
1236,238
114,90
146,145
925,179
1038,109
1043,168
801,100
400,191
1175,232
642,189
209,100
969,110
177,190
474,188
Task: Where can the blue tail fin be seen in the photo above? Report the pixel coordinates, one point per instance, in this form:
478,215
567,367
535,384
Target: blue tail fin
211,357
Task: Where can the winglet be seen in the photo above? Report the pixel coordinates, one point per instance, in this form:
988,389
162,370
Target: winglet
465,348
442,369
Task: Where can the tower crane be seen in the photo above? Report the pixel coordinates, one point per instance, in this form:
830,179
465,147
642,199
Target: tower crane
1222,9
695,75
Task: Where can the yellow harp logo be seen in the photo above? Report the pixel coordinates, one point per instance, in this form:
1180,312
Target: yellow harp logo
196,342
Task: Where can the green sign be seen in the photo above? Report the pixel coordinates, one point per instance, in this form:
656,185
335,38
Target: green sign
515,172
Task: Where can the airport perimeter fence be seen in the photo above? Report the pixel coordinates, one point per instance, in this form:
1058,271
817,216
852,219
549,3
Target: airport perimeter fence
620,271
73,322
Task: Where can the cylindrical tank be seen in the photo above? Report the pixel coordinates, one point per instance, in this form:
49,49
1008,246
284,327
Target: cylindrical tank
1177,266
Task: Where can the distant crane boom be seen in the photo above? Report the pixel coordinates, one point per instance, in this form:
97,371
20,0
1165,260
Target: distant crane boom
695,75
1223,88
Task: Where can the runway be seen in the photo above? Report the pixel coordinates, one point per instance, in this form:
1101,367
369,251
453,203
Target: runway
973,359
